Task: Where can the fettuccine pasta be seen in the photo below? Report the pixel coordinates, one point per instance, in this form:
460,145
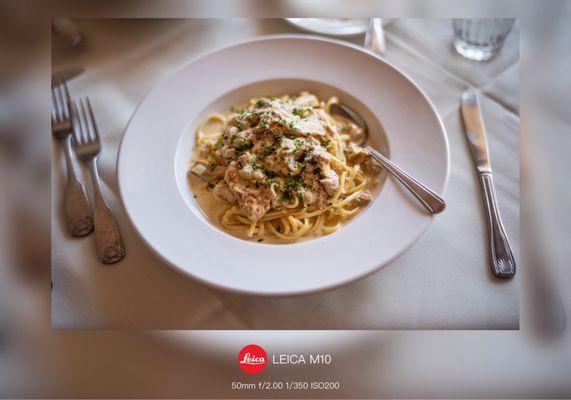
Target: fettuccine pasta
281,169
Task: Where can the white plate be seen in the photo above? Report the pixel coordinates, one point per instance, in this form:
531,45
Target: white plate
155,150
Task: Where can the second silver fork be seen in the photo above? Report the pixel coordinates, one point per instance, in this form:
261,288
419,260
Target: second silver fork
110,247
78,215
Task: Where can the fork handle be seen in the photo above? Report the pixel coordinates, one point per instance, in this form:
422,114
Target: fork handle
431,201
110,247
77,212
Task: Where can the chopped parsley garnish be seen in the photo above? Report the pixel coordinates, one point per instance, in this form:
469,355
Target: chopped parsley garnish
244,145
213,167
298,144
301,112
326,143
268,151
260,103
219,143
256,166
263,123
294,183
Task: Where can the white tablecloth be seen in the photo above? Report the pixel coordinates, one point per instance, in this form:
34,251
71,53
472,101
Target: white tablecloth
442,282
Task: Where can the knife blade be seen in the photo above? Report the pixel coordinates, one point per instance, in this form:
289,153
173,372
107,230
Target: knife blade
475,131
501,257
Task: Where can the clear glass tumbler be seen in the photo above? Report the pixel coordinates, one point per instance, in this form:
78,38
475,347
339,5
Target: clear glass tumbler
480,38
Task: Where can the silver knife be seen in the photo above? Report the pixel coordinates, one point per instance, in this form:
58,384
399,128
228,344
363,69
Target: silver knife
501,256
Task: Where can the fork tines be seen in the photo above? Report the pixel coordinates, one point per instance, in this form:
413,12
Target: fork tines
60,103
84,123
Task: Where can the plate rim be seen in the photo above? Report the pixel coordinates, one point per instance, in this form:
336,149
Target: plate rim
287,292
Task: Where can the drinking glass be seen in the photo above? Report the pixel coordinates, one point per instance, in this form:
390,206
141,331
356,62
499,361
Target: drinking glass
479,39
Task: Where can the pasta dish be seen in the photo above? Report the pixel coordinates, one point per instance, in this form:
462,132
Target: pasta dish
281,169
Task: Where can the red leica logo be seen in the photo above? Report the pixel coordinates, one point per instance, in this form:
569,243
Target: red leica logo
252,359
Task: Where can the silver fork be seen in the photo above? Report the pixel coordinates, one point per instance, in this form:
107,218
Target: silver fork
88,146
77,212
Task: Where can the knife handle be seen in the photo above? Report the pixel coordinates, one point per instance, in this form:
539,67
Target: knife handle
501,256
